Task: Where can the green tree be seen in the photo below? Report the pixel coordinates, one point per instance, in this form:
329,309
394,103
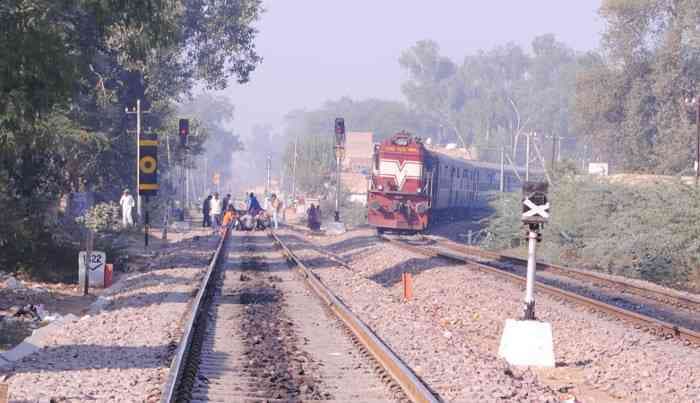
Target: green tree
495,95
631,100
68,69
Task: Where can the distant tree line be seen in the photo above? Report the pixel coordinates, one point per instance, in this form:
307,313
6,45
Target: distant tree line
630,103
68,69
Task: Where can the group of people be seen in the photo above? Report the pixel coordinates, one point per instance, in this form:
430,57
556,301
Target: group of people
213,209
255,217
221,213
313,216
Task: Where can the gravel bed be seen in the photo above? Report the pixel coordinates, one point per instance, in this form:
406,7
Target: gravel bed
685,316
449,333
612,277
121,352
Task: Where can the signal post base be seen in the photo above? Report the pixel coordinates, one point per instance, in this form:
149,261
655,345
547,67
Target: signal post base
335,228
527,343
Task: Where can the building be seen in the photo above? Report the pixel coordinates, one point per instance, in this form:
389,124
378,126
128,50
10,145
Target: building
356,185
359,147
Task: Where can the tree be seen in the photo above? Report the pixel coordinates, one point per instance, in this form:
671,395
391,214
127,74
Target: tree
495,95
68,70
433,87
632,98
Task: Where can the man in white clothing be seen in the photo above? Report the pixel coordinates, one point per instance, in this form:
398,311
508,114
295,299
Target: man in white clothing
215,206
127,202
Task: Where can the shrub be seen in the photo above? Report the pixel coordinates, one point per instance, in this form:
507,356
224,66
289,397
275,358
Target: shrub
102,218
644,231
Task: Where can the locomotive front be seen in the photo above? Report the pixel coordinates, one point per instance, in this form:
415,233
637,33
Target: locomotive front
399,194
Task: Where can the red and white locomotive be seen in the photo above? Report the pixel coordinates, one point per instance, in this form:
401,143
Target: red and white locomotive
410,183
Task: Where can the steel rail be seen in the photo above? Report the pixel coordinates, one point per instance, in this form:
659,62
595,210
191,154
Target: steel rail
170,389
411,385
676,299
656,326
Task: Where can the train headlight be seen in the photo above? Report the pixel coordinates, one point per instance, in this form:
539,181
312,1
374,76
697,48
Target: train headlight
380,187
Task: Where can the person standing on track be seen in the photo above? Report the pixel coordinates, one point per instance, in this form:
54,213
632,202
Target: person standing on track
314,217
206,210
127,202
227,200
253,205
215,205
275,205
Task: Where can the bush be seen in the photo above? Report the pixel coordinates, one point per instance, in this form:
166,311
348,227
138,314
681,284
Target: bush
352,214
102,218
644,231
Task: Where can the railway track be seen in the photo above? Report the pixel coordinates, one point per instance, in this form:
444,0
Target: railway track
659,327
260,331
667,297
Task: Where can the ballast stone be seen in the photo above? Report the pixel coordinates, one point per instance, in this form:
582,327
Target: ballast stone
527,343
35,342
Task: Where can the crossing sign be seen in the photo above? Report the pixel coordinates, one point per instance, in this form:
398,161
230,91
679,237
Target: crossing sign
148,167
535,203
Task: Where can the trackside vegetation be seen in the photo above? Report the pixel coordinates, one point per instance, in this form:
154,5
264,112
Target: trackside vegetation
68,70
641,229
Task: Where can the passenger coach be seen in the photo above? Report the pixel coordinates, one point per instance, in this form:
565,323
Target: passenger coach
410,183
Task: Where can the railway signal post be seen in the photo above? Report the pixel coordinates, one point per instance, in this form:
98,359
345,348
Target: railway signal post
148,177
535,214
339,154
528,342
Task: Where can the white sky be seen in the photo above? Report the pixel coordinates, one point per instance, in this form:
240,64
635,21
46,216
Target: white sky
324,49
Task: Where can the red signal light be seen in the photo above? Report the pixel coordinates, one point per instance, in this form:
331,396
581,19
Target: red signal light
184,131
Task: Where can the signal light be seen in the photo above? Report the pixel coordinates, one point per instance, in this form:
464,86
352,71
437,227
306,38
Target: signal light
184,131
339,132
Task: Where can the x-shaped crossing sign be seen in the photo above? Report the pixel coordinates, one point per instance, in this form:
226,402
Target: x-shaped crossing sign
536,210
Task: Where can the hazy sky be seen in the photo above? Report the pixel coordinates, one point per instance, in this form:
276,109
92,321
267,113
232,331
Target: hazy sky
325,49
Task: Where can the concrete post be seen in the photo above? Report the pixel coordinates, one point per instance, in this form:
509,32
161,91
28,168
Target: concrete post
530,285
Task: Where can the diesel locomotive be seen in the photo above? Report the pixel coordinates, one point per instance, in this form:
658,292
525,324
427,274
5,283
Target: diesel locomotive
410,183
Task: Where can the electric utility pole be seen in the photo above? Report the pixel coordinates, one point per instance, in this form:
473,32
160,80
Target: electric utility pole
502,173
527,156
268,181
294,171
554,152
697,150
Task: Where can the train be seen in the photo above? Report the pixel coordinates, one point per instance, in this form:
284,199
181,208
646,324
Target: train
411,183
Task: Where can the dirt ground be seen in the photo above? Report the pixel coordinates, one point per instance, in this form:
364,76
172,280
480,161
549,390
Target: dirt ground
122,351
68,298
